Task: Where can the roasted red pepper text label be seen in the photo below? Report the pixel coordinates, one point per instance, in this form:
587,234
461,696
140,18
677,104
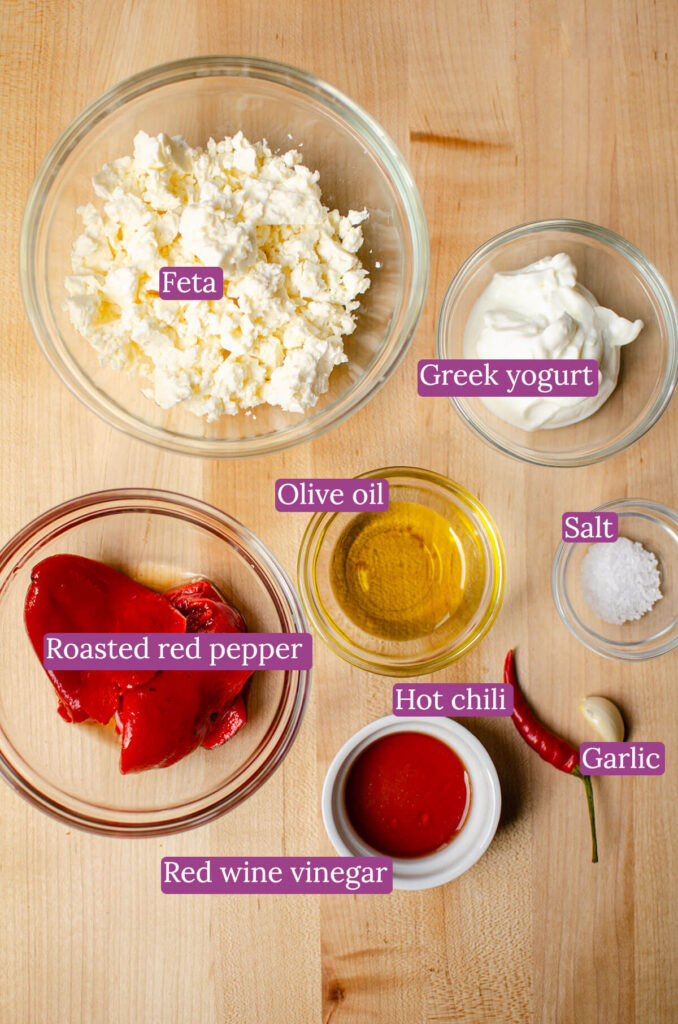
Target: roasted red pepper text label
155,651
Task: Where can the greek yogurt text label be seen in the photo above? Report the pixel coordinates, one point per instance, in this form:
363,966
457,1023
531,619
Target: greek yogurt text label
311,495
191,283
508,378
622,758
602,527
458,700
319,875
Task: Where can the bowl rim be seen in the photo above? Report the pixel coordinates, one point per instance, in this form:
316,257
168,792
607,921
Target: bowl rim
203,514
614,652
313,538
651,277
225,65
479,763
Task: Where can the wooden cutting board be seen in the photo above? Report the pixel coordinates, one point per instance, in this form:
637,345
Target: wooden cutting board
507,112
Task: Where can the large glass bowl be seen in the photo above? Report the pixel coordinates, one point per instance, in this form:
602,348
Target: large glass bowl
71,771
216,96
621,278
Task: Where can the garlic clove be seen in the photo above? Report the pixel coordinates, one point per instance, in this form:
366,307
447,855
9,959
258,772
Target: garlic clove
605,717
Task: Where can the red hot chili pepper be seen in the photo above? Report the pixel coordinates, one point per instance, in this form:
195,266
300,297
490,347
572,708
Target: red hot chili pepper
551,748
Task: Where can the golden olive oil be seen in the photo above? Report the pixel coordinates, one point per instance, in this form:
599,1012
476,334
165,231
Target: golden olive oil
402,573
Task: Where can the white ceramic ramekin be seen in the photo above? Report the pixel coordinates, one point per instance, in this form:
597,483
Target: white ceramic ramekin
474,838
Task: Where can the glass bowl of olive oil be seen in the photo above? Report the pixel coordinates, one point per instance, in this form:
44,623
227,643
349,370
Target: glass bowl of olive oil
408,590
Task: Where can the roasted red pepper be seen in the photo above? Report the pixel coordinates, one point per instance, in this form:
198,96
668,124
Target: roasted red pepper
227,725
207,611
71,594
177,711
162,715
196,601
165,719
551,748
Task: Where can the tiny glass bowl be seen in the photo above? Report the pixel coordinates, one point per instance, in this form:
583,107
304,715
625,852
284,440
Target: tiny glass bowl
477,832
72,771
656,528
621,278
449,641
215,96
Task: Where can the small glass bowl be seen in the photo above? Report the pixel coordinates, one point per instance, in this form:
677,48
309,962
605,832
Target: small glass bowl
473,839
72,771
621,278
216,96
401,657
656,528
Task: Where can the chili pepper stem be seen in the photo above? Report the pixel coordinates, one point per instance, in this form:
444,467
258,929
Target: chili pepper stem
586,779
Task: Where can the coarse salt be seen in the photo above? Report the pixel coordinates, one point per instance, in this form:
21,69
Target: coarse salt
620,581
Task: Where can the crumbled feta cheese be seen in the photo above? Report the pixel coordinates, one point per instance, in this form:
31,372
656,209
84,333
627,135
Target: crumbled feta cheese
291,275
216,240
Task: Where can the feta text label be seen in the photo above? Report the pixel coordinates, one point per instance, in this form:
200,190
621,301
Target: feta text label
310,495
508,378
191,283
602,527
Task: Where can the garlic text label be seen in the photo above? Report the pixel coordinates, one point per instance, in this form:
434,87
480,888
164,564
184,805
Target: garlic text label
622,758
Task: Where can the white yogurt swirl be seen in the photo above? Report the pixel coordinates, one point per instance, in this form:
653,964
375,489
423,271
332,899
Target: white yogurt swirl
541,312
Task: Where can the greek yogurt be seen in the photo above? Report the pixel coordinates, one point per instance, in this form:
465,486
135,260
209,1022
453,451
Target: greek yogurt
542,312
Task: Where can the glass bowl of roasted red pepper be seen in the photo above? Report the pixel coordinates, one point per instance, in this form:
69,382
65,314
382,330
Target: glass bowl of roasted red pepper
142,751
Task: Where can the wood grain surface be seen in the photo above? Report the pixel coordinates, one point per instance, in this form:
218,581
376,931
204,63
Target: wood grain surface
507,112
